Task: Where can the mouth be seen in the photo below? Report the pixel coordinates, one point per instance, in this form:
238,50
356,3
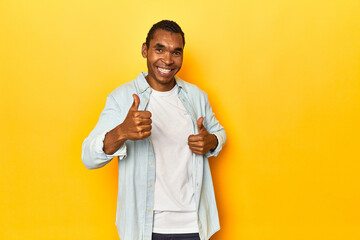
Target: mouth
165,72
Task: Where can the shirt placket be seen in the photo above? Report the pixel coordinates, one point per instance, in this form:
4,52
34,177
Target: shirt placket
197,162
150,174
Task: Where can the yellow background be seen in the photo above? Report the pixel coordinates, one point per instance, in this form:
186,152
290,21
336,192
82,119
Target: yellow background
282,76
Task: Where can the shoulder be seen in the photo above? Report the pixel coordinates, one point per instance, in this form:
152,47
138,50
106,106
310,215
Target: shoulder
193,92
138,85
123,89
196,96
122,95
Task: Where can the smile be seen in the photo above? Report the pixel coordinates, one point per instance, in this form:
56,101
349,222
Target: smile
164,70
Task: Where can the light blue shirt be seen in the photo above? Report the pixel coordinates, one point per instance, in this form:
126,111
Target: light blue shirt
134,215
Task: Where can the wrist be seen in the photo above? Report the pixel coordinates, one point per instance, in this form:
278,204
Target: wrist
121,134
215,143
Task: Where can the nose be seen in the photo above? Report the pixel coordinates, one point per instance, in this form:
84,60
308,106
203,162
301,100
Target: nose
167,58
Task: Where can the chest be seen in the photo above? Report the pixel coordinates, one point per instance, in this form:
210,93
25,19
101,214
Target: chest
170,119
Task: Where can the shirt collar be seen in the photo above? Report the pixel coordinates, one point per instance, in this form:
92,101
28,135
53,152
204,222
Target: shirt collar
143,85
180,83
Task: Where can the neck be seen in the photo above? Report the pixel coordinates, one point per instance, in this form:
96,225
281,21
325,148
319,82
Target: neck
161,87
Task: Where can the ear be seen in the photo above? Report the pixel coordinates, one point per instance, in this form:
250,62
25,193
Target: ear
144,50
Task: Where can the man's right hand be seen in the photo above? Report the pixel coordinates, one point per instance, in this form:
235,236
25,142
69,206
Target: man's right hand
137,124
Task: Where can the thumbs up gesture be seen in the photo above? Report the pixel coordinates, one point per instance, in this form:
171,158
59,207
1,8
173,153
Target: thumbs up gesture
137,124
203,141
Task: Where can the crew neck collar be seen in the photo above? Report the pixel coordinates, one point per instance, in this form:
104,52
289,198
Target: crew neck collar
165,93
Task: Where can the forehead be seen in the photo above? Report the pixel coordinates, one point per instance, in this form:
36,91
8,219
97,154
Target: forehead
166,38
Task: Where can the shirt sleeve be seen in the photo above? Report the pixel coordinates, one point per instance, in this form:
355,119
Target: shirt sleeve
213,126
93,155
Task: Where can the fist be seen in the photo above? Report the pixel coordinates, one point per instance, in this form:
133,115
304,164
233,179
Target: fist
203,141
137,124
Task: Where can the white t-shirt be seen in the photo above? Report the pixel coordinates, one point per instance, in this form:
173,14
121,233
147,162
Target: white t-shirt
174,205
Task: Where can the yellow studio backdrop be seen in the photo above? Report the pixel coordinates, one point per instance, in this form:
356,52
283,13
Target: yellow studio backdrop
283,78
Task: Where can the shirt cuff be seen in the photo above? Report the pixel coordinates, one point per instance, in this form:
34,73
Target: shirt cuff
218,147
99,146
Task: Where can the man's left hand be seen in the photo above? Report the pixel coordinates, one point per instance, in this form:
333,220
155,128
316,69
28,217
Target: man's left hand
203,141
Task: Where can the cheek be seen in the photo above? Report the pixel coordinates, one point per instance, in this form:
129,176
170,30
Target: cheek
179,62
153,60
150,61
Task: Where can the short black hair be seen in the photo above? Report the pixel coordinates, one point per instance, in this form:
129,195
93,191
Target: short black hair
166,25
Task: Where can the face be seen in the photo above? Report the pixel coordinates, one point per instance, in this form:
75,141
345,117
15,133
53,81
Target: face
164,59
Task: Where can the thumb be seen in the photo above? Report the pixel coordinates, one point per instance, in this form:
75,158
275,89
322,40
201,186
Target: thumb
200,123
135,105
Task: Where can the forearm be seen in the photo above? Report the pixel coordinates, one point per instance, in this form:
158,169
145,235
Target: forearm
221,139
93,155
114,140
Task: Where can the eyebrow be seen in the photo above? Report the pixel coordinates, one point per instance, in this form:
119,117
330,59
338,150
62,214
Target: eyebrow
159,45
179,49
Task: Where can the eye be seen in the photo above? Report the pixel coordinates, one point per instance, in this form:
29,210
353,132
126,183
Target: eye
177,53
158,50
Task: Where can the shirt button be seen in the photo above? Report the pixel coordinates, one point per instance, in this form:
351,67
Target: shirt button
148,209
150,163
144,99
149,185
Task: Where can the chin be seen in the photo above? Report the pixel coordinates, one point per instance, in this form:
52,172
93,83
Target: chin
165,81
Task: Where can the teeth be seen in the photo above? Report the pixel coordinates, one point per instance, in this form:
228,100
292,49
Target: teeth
163,70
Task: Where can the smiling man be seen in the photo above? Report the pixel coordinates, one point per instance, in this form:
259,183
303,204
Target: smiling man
162,129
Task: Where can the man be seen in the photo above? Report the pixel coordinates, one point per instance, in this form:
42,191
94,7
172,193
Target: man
162,129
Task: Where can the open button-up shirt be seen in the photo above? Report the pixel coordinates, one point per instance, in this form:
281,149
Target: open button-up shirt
134,215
